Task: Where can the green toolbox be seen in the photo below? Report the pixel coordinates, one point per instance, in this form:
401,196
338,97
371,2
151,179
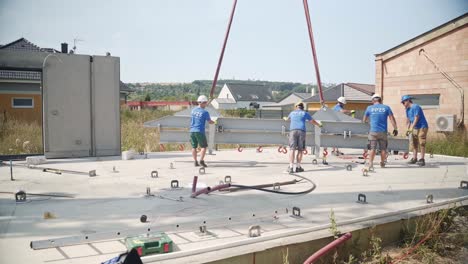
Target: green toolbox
151,243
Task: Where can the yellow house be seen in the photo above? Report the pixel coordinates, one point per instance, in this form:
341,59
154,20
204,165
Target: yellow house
358,97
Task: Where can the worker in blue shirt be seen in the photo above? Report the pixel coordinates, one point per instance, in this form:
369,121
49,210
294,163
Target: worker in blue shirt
297,135
417,129
377,115
340,107
199,117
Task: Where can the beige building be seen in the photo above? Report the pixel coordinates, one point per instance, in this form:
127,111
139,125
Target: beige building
433,68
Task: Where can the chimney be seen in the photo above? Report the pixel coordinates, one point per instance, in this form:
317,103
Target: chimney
312,91
64,48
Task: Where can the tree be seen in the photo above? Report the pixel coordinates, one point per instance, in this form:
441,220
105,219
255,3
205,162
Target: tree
147,98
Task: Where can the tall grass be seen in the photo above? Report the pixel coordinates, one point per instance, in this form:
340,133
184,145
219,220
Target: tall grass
136,137
20,137
455,144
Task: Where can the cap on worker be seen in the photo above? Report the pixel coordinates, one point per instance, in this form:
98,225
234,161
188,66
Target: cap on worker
300,104
202,99
376,96
405,97
341,99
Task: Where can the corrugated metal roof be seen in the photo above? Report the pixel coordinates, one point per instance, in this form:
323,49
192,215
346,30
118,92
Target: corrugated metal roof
250,92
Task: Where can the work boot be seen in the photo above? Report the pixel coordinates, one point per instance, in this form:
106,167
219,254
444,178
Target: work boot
196,164
202,162
412,161
290,169
299,169
421,162
382,164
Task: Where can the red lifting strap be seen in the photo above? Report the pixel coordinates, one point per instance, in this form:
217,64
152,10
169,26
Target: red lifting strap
312,44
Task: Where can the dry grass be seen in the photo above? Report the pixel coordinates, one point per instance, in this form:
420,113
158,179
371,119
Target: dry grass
20,137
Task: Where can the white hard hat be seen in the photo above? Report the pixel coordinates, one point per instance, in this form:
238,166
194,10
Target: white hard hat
202,99
376,96
341,99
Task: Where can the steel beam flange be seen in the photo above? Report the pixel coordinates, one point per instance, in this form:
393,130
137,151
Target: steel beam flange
463,185
362,199
201,171
154,174
254,231
429,198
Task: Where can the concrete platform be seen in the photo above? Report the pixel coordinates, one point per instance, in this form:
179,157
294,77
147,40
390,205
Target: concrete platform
114,201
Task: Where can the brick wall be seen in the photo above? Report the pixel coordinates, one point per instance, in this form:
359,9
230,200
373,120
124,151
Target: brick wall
411,73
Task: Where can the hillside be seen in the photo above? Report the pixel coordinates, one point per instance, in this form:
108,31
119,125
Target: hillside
190,91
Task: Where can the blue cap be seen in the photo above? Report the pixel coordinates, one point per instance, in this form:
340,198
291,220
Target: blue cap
405,97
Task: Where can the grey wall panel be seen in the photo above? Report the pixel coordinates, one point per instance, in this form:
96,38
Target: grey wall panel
67,106
106,106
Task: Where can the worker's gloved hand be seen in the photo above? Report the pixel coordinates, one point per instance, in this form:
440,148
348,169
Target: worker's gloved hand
395,132
320,124
285,118
215,121
353,111
409,132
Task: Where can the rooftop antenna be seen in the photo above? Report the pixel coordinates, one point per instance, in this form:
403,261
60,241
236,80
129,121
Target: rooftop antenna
75,40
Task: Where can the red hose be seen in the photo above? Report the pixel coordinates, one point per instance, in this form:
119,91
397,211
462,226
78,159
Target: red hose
219,187
317,255
202,191
194,184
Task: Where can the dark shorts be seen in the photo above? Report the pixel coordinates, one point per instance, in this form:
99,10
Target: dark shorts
378,138
297,140
198,139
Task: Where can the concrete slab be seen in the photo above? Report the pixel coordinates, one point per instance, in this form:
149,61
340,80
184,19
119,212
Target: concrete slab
114,201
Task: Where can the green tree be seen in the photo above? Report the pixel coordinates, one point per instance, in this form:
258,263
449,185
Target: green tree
147,97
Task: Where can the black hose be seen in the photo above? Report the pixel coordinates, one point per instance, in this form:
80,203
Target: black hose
280,192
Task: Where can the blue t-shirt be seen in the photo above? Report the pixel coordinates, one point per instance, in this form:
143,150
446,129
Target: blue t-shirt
378,114
199,118
298,119
412,112
337,108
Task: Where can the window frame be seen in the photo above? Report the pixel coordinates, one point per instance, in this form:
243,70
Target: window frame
22,106
427,106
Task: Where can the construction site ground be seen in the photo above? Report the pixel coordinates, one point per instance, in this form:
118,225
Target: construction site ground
115,199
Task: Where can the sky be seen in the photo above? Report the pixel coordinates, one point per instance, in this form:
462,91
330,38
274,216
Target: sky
180,40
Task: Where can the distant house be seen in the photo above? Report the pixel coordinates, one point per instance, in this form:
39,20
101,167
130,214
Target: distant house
242,95
288,102
20,91
358,96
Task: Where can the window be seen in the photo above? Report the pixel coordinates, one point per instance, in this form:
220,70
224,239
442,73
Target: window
22,102
426,100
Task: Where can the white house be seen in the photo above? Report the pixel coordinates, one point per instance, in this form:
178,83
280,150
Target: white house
242,95
288,102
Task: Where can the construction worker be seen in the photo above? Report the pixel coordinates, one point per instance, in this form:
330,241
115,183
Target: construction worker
417,129
340,107
297,135
377,115
197,130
